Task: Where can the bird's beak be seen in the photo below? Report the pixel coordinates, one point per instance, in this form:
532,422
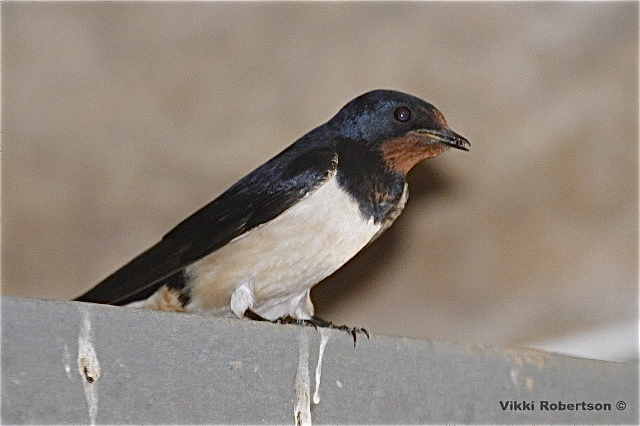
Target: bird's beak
445,136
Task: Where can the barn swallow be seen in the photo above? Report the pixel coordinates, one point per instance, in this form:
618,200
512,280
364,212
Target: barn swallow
258,249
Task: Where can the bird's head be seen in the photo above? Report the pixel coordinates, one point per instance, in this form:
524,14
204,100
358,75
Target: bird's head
403,128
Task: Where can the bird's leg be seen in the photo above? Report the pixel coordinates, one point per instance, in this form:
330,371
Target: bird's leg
314,322
282,320
253,316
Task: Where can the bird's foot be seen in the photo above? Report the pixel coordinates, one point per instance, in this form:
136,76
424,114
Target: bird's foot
353,331
314,322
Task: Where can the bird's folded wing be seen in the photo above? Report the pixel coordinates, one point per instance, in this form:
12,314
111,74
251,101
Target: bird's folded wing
256,199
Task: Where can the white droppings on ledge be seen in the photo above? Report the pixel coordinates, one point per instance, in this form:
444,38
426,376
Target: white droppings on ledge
302,412
324,338
88,366
66,361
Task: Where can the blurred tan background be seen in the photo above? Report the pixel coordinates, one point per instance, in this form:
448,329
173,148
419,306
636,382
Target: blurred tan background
120,119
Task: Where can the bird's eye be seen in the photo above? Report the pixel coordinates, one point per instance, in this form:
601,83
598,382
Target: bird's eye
402,114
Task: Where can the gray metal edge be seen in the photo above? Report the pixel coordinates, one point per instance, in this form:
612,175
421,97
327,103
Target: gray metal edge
75,363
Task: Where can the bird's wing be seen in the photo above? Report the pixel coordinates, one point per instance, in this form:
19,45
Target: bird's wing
256,199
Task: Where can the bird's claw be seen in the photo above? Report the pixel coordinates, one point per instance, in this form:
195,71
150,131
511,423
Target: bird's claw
353,331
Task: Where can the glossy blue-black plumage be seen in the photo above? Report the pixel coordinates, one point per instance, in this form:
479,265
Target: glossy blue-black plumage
349,142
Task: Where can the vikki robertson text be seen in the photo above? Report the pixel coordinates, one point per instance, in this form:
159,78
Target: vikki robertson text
543,405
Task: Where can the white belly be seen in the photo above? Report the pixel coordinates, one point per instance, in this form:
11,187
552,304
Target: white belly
271,268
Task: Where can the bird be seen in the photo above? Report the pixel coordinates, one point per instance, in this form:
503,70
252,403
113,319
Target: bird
256,250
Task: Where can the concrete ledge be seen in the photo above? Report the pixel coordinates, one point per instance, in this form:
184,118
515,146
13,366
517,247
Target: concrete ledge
70,362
